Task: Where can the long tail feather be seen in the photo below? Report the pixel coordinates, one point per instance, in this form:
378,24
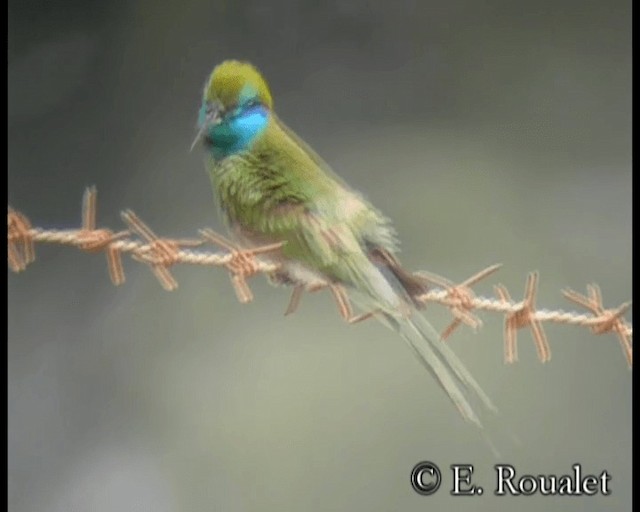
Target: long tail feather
429,333
441,362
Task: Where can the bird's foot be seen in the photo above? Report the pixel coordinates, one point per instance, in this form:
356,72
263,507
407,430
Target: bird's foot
340,296
344,306
297,292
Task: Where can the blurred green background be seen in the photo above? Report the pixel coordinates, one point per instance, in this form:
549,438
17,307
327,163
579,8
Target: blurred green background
489,132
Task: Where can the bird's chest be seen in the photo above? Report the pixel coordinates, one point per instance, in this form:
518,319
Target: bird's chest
242,188
260,204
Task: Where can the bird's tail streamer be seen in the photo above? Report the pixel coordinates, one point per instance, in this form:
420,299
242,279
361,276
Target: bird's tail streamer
450,373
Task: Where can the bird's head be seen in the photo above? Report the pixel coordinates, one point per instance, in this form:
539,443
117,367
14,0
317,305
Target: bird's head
235,108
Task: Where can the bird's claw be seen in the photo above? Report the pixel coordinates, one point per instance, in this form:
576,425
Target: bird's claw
340,296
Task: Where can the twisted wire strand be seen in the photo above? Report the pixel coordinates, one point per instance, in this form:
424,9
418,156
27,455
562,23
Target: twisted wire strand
160,254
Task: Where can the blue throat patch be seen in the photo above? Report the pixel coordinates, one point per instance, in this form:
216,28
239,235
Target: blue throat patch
236,133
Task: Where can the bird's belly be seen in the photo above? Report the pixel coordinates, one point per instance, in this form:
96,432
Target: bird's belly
300,274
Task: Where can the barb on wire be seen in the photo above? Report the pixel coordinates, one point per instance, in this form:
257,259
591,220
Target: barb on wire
160,254
461,297
20,247
605,320
91,239
524,316
242,263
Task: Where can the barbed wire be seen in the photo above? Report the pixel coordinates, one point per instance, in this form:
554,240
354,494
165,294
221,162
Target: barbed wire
160,254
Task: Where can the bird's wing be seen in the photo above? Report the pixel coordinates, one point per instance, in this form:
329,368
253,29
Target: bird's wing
321,167
333,199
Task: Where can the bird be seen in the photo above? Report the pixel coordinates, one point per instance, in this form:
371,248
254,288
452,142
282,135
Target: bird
273,188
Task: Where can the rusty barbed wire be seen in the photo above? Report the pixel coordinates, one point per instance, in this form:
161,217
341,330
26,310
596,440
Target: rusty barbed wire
160,254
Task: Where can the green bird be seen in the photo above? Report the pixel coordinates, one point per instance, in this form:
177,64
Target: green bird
272,187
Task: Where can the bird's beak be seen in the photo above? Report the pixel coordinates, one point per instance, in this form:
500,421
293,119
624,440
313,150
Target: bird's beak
198,137
210,114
